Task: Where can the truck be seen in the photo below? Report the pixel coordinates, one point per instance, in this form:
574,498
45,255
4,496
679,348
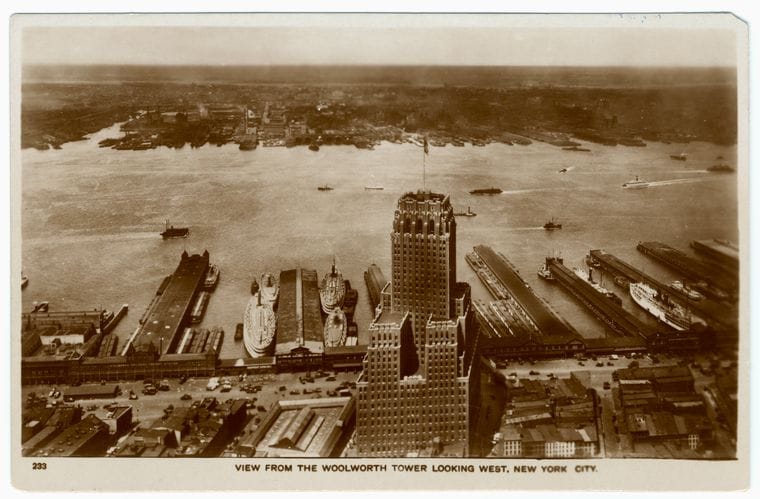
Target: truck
213,384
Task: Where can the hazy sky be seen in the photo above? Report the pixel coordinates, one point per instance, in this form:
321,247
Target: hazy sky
372,45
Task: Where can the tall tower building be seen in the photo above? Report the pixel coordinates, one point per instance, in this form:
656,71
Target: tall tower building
416,391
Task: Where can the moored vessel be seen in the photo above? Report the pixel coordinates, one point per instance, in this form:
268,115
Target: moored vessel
688,291
661,307
269,289
587,276
259,324
212,277
332,291
545,273
335,329
239,328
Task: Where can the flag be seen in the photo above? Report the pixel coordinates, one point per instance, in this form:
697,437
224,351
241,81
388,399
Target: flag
425,145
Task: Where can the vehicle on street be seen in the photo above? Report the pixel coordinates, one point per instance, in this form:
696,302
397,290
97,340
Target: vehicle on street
132,395
186,396
606,385
213,384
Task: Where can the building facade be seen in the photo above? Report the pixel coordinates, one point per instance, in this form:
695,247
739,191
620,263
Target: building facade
415,390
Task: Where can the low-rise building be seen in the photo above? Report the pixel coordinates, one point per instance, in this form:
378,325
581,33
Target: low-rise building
88,438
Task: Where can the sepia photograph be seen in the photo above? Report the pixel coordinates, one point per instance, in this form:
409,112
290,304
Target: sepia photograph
403,250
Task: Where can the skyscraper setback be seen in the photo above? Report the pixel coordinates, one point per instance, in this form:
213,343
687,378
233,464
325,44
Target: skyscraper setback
419,374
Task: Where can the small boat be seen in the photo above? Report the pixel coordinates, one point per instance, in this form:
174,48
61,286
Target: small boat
254,287
490,190
171,231
592,262
212,277
373,188
40,307
24,280
551,225
679,157
563,170
324,188
545,273
468,213
313,147
239,331
721,168
636,184
688,291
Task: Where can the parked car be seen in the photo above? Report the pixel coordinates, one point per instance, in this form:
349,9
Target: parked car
606,385
186,396
534,373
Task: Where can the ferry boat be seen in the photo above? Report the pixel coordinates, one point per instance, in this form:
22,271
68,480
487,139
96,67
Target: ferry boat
335,329
550,225
636,184
171,231
259,324
269,289
212,277
689,292
332,291
661,307
586,276
490,190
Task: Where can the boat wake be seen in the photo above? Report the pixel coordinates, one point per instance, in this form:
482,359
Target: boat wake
676,181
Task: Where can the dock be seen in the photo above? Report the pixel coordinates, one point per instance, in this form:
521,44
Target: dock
718,316
375,281
721,252
692,269
504,279
614,316
170,313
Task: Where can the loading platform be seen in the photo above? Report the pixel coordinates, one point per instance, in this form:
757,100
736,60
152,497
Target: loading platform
615,317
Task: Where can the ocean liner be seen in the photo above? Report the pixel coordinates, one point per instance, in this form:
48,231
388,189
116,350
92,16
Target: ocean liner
259,324
335,329
660,306
332,291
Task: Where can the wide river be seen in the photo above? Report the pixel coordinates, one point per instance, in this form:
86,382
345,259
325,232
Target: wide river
91,216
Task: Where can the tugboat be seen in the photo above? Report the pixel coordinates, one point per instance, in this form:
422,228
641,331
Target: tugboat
24,280
635,184
550,225
468,213
313,147
254,287
490,190
171,231
563,170
239,331
324,188
40,307
545,273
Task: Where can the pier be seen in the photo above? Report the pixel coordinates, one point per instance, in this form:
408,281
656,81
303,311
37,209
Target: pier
718,316
721,252
171,312
692,269
504,282
617,319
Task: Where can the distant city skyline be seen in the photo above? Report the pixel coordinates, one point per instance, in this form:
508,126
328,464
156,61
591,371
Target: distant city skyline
364,44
